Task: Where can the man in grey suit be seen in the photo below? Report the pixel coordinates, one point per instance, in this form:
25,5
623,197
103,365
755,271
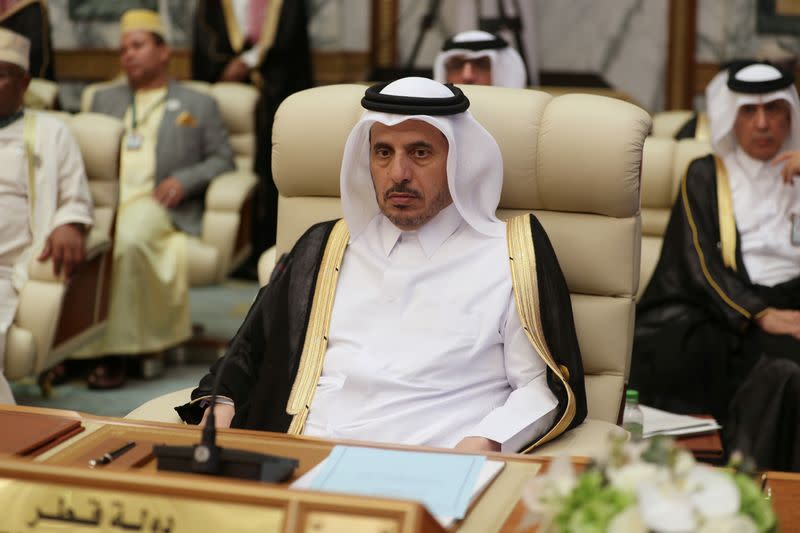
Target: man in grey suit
175,144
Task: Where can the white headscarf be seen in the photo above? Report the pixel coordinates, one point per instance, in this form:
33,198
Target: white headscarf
508,69
474,162
723,104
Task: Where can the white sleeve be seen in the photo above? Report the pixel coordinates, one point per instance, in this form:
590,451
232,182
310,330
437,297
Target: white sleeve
74,199
530,409
252,56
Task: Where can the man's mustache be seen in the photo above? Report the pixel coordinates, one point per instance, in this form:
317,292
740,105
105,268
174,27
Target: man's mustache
401,189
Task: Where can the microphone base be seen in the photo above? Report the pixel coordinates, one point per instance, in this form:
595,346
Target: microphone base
237,464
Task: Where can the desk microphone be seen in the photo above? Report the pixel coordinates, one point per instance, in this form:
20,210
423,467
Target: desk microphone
208,458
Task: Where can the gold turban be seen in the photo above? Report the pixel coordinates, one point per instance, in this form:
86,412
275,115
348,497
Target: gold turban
14,48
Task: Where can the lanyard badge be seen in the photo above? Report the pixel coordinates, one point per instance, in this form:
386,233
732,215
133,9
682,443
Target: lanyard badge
134,140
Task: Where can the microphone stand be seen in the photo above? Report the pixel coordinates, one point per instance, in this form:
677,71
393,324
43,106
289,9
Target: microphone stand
424,26
210,459
512,24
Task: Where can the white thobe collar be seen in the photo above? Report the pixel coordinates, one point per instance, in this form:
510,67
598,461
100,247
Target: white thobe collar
431,235
751,166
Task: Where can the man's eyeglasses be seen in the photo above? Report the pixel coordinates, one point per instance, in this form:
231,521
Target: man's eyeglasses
457,63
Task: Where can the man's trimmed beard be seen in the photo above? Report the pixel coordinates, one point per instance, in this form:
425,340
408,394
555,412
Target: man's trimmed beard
440,201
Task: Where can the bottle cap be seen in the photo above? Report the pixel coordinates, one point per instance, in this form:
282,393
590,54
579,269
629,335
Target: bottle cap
632,395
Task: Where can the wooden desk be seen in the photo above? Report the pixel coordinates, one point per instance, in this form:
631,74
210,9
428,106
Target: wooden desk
784,489
290,511
65,468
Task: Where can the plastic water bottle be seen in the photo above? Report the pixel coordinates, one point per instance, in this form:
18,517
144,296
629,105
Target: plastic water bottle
632,416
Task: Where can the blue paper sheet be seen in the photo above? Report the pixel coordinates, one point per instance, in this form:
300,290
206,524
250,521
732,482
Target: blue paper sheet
442,482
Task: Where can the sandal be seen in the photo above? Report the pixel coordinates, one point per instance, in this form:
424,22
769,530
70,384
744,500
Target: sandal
110,373
56,375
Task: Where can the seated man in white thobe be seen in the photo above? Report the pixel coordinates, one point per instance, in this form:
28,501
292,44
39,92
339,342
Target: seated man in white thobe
479,58
175,144
44,195
428,341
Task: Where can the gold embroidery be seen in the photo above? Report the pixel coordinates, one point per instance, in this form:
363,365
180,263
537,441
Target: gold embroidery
269,29
702,131
235,36
727,224
316,341
526,295
701,256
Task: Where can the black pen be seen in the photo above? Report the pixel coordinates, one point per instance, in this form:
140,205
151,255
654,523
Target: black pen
110,456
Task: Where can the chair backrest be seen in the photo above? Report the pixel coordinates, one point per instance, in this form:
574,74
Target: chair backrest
98,137
237,105
667,123
574,160
664,165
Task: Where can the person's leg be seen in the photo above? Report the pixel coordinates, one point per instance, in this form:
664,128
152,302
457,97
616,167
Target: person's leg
8,308
149,310
764,420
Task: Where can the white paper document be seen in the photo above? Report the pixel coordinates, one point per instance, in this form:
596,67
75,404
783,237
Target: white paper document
658,422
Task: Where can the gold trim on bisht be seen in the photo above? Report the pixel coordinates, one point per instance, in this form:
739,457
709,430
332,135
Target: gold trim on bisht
702,129
699,250
727,223
269,29
319,321
235,35
526,295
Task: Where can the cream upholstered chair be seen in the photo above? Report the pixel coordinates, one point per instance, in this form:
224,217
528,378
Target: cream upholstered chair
55,317
224,241
575,160
664,164
667,123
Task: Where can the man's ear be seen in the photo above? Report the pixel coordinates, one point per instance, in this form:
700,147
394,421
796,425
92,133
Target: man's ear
26,80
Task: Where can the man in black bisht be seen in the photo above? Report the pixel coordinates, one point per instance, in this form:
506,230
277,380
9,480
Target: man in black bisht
718,328
29,18
263,42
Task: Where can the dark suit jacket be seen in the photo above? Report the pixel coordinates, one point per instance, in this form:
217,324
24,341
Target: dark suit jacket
193,154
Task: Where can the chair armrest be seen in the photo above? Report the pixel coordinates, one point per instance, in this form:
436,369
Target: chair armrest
97,243
266,264
229,191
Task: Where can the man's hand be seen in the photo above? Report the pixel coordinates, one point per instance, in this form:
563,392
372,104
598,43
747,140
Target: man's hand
169,192
66,246
791,168
477,444
780,322
235,70
223,415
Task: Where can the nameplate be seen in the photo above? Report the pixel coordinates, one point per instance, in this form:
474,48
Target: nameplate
33,506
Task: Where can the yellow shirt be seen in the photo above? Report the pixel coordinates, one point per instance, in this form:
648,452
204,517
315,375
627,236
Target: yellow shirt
138,165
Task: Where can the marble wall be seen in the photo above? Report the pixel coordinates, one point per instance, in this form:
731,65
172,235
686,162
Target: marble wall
726,29
624,41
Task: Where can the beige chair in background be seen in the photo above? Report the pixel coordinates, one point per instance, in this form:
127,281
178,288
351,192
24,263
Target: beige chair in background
664,164
55,317
666,124
574,160
224,242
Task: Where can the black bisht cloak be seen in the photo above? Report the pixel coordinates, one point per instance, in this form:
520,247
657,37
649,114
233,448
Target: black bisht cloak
265,353
29,18
285,69
697,348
